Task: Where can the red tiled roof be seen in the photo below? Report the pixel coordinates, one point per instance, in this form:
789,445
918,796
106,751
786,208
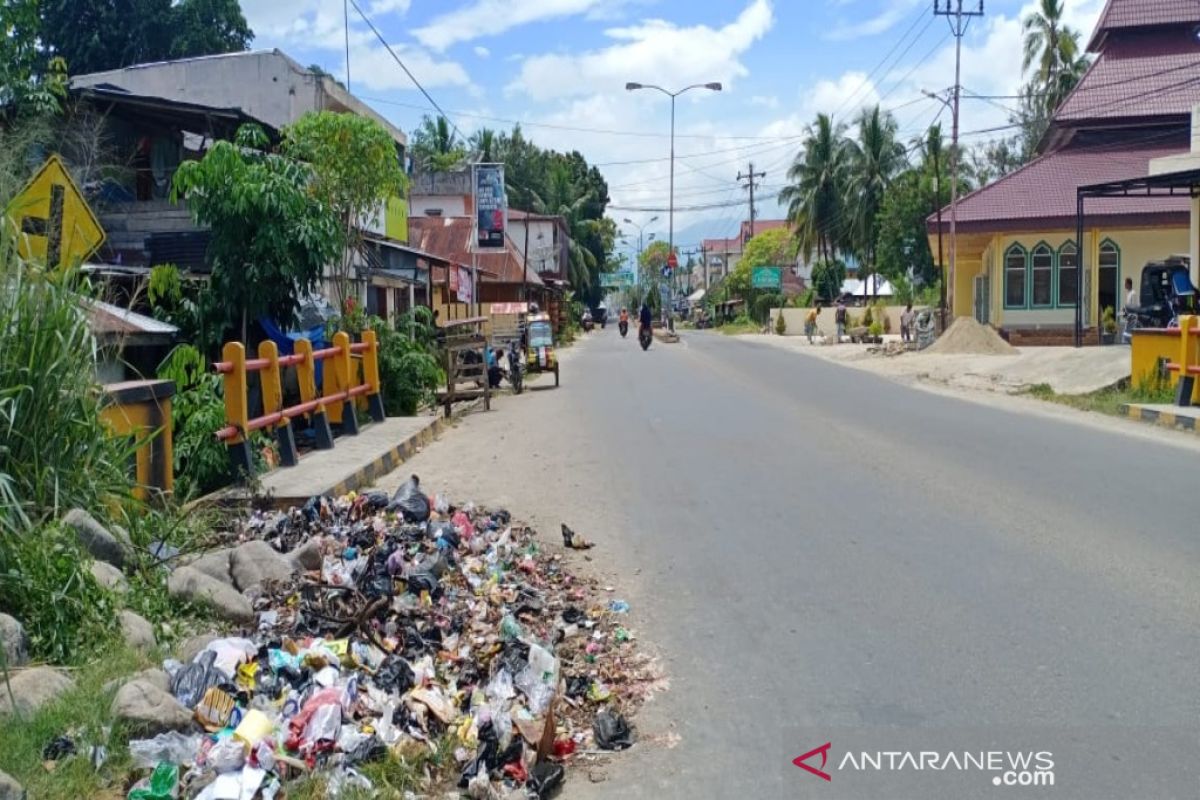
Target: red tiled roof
723,245
1042,194
1127,14
450,238
1141,78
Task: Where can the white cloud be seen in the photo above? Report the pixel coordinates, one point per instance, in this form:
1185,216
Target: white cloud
482,51
493,17
652,50
766,101
374,68
381,7
885,20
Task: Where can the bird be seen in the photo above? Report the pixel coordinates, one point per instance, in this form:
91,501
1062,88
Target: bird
574,541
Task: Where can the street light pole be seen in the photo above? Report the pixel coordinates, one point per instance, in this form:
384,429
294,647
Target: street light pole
714,87
641,228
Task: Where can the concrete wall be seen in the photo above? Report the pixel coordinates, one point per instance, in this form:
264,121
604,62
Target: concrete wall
794,318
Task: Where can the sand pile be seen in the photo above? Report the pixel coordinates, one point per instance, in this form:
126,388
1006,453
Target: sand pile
968,337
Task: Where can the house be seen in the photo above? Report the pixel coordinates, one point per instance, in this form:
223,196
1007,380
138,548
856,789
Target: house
549,243
721,256
1018,263
170,111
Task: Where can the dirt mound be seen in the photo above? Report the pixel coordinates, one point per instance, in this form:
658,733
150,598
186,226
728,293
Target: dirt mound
968,337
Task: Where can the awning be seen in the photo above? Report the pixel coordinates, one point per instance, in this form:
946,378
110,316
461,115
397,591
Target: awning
697,296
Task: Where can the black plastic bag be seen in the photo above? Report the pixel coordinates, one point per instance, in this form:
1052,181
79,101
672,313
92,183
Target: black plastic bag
58,748
192,680
572,615
410,501
375,500
419,582
612,731
486,757
544,778
370,749
577,686
395,675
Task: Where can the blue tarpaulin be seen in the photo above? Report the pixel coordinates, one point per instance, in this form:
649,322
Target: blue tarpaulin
286,342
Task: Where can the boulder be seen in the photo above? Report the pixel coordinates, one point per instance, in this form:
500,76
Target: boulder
153,676
10,789
14,641
215,565
150,710
95,538
194,645
109,576
308,556
187,583
33,688
256,562
137,631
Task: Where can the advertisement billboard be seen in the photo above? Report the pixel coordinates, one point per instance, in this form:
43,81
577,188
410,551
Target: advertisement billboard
491,206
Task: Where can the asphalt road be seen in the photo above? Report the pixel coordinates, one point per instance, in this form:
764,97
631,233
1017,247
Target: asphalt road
820,554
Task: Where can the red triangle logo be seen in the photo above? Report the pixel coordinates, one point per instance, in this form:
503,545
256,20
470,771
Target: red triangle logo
820,773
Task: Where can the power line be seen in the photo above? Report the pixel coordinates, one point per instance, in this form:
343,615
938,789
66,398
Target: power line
867,80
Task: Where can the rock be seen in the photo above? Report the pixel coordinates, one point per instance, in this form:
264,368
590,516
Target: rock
14,641
95,538
149,709
194,645
187,583
33,688
308,556
256,562
10,789
153,676
215,565
138,632
109,576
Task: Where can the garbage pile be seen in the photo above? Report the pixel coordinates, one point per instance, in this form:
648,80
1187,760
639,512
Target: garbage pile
438,634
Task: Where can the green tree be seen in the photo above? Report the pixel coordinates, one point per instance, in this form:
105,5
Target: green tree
875,158
29,84
1050,46
483,143
903,244
562,196
98,35
815,194
774,248
652,261
357,170
436,147
827,279
272,236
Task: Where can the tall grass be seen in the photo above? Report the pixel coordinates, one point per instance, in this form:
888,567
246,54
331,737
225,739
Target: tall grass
55,453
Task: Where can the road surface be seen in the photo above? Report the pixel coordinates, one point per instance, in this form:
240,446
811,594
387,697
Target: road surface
818,552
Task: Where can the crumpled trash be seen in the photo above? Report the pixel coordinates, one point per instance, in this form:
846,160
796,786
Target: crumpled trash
163,784
545,778
612,731
574,541
58,748
191,681
172,747
618,607
411,501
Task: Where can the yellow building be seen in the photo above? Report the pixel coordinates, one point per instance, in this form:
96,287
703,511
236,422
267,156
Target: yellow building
1018,262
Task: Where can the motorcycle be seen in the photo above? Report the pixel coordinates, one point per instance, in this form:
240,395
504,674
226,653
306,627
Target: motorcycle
516,367
623,326
645,336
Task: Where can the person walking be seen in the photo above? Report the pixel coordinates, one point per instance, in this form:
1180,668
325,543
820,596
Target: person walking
839,318
810,322
907,320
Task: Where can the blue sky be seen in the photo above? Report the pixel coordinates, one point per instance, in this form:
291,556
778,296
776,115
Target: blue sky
559,67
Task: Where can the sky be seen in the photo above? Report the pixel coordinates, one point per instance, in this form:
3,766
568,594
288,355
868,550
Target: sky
559,67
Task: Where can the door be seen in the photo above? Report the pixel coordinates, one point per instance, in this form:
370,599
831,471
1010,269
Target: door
982,299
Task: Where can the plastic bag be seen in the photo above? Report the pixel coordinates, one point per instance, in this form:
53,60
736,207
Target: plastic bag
500,687
172,747
192,680
324,725
162,785
612,731
395,675
545,778
410,501
226,755
232,652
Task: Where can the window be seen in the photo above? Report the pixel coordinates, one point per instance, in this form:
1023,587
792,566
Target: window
1043,276
1014,277
1068,274
1110,276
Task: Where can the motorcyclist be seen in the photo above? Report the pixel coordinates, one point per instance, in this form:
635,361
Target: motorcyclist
646,316
625,316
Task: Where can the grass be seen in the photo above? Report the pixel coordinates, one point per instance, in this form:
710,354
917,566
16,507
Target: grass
83,714
739,326
1107,401
391,777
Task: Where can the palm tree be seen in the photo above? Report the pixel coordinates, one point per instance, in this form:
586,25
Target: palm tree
874,159
1052,50
814,196
436,145
566,199
483,142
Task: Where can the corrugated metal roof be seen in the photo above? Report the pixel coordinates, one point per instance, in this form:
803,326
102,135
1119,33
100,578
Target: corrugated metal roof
109,319
450,238
1128,14
1042,194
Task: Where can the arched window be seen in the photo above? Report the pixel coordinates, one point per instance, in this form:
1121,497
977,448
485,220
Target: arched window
1042,282
1110,295
1068,275
1014,277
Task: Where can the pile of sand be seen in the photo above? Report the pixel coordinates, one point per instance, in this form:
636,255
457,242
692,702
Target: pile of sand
968,337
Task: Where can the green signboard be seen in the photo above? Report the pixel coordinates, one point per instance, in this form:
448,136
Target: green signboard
766,278
616,280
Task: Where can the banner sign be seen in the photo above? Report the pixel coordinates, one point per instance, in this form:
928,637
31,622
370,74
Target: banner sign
766,278
616,280
491,205
466,290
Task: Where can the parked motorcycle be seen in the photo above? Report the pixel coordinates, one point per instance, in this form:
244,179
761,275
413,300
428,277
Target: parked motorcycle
516,367
623,326
645,337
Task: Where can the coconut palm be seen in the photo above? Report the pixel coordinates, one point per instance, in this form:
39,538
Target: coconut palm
483,143
873,160
565,198
1053,53
814,195
436,145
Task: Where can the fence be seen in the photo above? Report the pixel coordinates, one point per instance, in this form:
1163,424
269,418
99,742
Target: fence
344,363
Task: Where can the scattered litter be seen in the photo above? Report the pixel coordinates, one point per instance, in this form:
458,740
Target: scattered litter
618,606
574,541
612,731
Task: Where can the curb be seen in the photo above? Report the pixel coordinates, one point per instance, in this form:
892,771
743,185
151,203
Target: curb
1166,419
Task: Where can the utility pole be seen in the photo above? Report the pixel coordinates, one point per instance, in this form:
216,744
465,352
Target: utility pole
751,184
346,24
959,20
704,264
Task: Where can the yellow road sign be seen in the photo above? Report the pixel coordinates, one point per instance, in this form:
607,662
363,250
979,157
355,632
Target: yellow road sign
56,224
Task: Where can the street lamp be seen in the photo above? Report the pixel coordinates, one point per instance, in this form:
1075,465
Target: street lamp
630,87
640,228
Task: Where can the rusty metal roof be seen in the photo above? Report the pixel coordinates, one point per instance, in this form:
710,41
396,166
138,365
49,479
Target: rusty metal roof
450,238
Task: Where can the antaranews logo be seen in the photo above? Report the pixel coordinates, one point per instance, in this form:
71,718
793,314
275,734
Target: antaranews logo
823,750
1004,768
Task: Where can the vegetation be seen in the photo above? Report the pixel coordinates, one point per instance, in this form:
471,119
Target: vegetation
815,196
1108,320
780,324
30,83
435,146
271,234
95,36
357,171
409,367
1108,401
